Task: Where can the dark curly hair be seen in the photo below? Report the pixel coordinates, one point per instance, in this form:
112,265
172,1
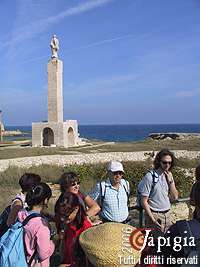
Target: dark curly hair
162,153
28,180
38,194
66,179
65,204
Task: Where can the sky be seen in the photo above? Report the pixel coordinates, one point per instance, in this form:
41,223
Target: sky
125,61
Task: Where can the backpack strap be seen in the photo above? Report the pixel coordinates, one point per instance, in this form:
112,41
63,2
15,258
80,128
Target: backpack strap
102,192
28,218
103,187
127,189
154,180
31,216
126,186
32,258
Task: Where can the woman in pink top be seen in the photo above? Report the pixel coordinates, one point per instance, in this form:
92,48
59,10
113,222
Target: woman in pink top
37,231
26,182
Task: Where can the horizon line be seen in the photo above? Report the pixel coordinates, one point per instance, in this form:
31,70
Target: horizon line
120,124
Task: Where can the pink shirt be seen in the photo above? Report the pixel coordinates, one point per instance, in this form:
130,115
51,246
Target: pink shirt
37,235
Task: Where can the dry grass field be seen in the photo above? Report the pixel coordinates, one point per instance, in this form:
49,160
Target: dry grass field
8,151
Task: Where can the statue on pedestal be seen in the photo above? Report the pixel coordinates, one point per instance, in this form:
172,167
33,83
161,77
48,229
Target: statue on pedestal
54,46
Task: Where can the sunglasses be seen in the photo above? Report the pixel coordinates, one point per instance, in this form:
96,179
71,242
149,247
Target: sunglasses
118,173
75,183
166,162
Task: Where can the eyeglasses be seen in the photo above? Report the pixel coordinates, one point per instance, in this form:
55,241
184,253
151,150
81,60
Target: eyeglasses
166,162
118,172
75,183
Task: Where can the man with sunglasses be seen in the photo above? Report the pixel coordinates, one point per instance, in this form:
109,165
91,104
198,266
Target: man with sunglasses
113,194
157,188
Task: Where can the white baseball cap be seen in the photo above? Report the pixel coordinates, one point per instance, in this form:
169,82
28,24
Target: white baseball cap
115,166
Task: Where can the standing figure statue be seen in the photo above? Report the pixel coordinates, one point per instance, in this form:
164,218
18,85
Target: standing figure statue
54,46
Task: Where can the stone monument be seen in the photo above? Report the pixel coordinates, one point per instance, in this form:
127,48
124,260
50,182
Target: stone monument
55,132
1,133
1,127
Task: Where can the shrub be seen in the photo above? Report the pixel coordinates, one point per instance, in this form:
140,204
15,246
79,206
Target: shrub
183,182
185,163
89,174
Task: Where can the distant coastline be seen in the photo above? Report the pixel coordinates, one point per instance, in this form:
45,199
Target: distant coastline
118,133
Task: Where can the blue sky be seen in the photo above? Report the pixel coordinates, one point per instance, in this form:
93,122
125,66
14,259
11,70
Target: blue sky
125,61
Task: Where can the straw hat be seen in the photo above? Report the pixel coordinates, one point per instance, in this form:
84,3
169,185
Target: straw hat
105,245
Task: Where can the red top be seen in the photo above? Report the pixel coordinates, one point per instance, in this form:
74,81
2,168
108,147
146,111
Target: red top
71,235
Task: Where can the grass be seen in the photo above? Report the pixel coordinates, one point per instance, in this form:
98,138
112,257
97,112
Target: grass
100,147
150,145
9,153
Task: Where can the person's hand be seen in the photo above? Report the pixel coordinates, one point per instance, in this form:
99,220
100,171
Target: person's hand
96,222
159,225
155,222
64,265
168,176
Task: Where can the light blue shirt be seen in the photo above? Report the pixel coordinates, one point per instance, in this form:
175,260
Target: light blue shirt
115,203
159,198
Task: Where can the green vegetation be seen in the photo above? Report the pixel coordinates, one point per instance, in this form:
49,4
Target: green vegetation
188,163
89,174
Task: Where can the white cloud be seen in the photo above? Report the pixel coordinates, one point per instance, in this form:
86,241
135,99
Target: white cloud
28,31
188,93
102,85
79,9
101,42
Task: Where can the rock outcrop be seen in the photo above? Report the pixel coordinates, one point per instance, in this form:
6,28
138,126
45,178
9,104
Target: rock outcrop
12,133
174,136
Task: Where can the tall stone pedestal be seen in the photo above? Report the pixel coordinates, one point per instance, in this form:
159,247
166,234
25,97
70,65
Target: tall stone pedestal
1,132
55,132
55,90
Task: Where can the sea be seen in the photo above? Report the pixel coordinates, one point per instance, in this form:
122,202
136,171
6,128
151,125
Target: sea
118,133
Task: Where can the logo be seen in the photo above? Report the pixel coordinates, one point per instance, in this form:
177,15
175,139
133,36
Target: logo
138,238
145,237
